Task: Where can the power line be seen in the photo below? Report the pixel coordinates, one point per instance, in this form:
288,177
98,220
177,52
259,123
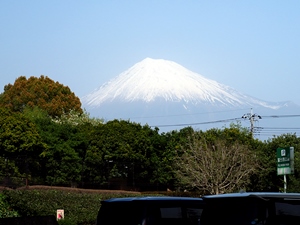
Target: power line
178,115
263,130
252,117
281,128
281,116
268,134
185,114
270,130
202,123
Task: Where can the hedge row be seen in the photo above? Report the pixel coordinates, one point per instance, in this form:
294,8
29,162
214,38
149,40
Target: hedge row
80,206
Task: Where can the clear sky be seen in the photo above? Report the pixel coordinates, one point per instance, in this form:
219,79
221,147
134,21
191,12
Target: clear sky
252,46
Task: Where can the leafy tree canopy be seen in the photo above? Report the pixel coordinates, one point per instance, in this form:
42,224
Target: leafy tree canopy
42,92
20,141
267,178
17,134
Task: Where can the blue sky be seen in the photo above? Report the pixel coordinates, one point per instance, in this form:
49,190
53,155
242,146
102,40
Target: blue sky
252,46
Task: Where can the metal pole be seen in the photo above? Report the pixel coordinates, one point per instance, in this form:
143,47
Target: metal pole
285,184
251,123
252,118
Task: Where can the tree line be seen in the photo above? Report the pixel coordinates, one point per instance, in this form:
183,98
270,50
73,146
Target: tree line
47,138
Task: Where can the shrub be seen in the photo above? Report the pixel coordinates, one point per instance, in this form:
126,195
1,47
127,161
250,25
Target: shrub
80,207
5,210
66,222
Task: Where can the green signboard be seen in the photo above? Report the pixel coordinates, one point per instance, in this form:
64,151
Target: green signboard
285,160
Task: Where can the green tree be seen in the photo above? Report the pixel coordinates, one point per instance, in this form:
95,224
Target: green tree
267,179
20,144
67,140
119,150
232,134
159,162
128,152
62,161
174,142
42,92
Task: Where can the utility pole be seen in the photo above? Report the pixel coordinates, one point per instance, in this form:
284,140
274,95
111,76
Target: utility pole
252,118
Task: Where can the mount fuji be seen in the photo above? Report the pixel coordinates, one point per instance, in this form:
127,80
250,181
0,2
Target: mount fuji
163,93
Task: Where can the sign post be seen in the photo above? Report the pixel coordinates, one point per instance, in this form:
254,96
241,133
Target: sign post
285,163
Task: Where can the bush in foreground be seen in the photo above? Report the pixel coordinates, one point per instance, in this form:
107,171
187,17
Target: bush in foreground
80,206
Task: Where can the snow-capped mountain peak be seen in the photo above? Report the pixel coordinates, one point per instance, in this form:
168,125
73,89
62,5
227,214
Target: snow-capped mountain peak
153,79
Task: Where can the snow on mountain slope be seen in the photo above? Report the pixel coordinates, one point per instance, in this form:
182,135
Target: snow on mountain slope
163,94
153,79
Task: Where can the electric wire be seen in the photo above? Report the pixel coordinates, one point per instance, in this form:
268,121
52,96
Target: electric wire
200,123
186,114
261,131
280,116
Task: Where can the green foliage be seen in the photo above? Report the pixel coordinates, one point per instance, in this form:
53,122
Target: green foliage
267,178
5,210
80,208
127,151
18,134
46,137
235,133
171,142
66,222
62,156
20,144
66,140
